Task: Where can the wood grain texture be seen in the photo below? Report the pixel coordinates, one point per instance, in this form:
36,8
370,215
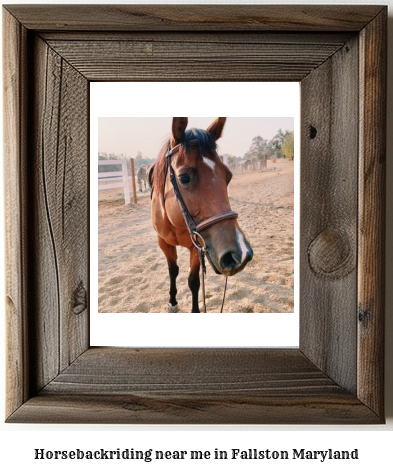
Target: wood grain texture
59,221
194,409
328,249
14,74
193,386
201,37
335,377
189,17
372,189
218,58
208,371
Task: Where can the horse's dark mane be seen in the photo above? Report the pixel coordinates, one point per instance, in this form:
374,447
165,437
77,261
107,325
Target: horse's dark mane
205,140
193,137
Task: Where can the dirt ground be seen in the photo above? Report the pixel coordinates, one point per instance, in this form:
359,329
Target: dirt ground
132,270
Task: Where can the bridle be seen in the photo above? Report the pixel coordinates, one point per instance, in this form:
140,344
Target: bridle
193,228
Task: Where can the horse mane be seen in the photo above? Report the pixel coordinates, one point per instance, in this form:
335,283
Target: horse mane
193,137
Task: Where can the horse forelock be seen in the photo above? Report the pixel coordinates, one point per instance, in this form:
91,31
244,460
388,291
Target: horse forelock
193,137
201,138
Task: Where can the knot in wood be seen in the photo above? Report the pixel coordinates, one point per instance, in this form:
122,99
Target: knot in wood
313,132
363,316
330,254
80,299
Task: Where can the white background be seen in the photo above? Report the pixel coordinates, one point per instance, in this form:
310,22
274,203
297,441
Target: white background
374,442
157,330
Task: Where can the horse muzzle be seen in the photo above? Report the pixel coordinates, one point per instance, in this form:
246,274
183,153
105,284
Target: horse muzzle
232,258
233,262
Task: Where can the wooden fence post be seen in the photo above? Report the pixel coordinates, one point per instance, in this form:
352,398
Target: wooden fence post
133,179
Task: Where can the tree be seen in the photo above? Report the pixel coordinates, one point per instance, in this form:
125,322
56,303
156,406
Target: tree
288,145
141,160
276,143
257,151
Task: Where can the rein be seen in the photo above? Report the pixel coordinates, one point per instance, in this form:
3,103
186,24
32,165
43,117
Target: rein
194,228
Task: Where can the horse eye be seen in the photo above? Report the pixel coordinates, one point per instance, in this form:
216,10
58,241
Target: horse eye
185,179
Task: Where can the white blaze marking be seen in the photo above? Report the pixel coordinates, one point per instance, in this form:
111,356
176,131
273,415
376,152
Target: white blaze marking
242,244
210,163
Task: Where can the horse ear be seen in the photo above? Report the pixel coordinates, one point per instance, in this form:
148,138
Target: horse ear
217,127
179,125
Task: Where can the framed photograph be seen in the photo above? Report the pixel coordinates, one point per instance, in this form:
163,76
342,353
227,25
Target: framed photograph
52,55
132,269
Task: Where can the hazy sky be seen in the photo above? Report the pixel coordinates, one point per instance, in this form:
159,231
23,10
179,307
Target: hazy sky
128,135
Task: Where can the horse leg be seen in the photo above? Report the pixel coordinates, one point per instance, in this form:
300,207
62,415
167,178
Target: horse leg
193,279
171,257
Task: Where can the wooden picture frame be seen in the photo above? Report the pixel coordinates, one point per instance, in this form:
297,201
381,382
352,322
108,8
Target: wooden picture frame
338,54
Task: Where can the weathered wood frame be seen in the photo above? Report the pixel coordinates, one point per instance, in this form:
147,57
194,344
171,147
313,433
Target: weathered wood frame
338,54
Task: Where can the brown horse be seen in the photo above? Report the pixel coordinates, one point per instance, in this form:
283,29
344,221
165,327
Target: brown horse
190,207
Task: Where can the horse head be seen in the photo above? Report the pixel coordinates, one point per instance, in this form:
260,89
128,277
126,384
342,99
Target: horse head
202,180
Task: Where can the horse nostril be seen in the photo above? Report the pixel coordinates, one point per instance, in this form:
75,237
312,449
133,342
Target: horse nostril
229,261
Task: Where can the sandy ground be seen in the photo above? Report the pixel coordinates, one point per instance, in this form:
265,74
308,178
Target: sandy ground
133,275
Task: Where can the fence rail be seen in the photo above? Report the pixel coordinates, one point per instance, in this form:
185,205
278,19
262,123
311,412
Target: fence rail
121,175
